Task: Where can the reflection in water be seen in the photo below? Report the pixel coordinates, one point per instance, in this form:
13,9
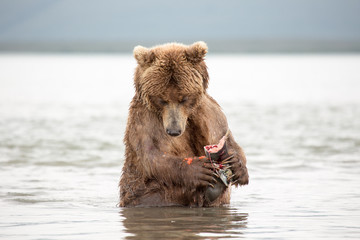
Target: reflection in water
183,223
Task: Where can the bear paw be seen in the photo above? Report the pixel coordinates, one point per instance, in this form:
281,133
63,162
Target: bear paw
240,174
198,172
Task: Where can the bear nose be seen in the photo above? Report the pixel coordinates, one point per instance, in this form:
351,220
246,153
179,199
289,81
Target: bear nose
173,132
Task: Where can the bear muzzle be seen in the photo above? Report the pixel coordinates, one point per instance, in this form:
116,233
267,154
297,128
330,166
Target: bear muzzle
174,120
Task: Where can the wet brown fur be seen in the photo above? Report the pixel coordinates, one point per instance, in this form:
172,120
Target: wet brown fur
170,94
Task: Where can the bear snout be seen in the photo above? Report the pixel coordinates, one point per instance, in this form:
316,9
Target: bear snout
174,120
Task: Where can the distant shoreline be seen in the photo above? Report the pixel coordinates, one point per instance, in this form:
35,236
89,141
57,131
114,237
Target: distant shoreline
215,46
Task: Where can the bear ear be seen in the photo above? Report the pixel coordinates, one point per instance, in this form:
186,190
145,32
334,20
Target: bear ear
143,55
196,52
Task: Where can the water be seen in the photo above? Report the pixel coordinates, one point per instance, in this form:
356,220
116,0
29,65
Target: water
62,119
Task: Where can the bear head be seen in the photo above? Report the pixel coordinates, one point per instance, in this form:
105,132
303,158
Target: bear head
171,80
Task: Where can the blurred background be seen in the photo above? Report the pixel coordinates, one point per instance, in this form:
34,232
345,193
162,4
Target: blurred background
285,72
231,26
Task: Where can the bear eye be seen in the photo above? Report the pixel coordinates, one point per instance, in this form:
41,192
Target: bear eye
184,99
162,102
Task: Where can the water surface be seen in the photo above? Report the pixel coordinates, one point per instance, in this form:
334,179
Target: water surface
62,119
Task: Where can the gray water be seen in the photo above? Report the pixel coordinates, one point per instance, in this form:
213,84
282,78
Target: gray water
62,119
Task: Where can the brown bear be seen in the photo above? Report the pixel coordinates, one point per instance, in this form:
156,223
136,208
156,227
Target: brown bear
171,118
